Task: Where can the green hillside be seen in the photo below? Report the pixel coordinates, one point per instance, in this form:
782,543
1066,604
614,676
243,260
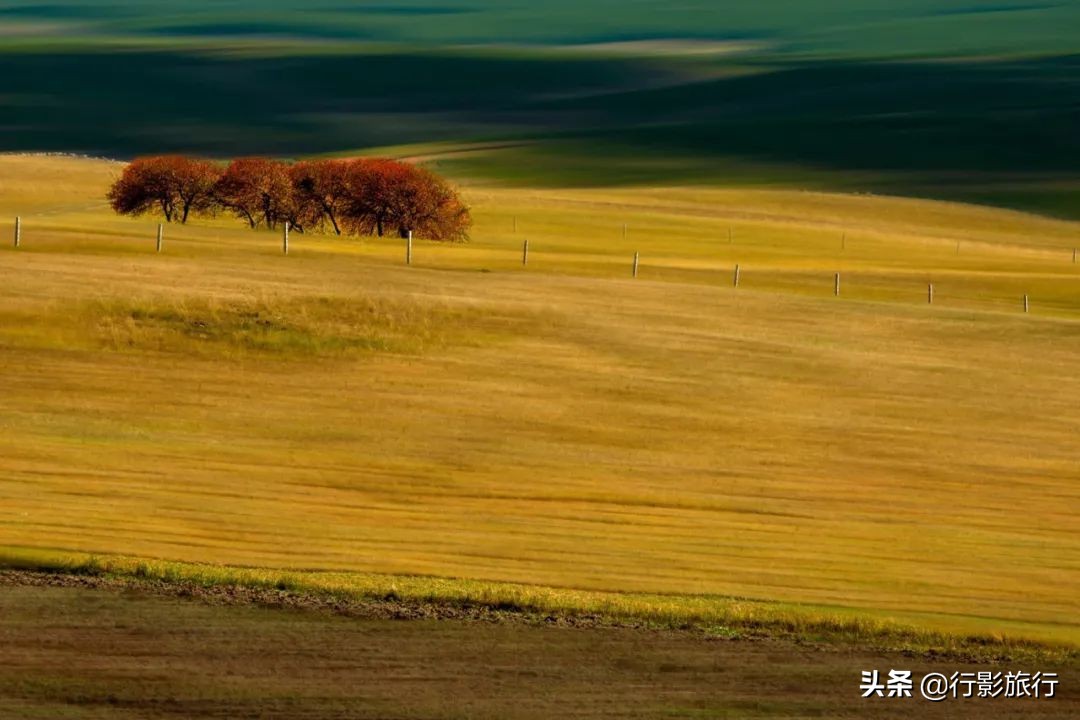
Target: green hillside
854,27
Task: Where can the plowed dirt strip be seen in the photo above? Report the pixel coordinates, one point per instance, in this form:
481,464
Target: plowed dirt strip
88,647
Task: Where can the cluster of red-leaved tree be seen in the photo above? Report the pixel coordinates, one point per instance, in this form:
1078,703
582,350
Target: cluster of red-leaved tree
363,196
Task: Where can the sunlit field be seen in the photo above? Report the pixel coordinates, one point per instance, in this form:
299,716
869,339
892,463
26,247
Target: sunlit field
561,423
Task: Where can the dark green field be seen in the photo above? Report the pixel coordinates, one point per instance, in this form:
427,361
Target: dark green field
969,101
853,27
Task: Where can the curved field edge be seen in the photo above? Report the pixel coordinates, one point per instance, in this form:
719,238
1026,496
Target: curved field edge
724,617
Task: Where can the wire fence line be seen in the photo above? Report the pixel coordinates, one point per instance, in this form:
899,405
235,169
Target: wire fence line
637,263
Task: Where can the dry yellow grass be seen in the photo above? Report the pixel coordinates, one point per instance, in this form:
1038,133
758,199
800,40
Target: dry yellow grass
562,425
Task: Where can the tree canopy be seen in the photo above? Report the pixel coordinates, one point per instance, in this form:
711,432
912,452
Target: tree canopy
364,196
174,185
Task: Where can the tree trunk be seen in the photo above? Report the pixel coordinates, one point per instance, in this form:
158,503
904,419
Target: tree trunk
333,221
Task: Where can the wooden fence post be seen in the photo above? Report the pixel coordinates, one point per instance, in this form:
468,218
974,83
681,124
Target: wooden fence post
525,253
18,230
1027,305
408,249
285,239
736,276
836,285
637,259
930,294
160,235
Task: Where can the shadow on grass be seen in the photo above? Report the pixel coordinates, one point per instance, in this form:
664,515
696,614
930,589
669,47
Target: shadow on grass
1000,132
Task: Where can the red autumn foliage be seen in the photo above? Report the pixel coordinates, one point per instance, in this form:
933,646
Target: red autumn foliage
391,195
364,196
370,206
321,192
258,190
174,185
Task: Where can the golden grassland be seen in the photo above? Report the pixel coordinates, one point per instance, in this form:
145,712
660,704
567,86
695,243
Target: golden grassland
708,615
562,425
